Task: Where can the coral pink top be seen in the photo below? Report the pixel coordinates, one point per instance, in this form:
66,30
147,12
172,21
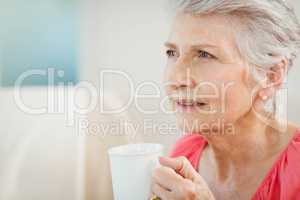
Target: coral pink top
282,181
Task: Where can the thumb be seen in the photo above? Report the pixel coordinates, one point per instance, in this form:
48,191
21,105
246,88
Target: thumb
180,165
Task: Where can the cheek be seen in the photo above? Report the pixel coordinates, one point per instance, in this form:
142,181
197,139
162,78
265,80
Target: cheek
237,102
236,95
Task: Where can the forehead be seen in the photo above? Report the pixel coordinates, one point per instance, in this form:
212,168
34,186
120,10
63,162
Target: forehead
216,30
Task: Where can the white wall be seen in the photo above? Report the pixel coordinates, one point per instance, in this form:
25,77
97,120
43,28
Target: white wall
294,82
127,36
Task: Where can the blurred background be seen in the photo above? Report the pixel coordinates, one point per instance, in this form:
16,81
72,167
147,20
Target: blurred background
39,35
56,45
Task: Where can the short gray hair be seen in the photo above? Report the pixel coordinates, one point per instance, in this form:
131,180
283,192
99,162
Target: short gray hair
269,31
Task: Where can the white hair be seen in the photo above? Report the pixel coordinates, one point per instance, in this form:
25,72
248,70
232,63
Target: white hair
269,30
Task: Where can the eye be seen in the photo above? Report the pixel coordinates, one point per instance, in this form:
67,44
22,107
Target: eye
171,53
204,54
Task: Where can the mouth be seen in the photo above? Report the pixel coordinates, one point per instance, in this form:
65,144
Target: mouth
189,105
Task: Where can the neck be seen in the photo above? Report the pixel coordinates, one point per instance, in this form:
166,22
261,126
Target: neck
251,142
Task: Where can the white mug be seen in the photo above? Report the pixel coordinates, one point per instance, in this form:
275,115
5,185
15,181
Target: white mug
131,169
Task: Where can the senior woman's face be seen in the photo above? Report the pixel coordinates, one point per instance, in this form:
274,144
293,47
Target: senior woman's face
206,78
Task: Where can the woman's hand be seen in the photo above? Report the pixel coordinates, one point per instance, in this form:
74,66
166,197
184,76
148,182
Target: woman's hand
176,179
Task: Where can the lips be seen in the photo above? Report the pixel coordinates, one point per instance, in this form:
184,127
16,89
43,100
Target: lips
185,102
188,105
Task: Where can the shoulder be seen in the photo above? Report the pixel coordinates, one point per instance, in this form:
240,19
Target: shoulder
294,144
291,145
289,168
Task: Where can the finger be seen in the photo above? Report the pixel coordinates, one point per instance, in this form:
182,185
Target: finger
166,177
181,165
161,192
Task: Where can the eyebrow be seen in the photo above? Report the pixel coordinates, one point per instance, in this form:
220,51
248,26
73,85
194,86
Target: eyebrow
196,46
170,45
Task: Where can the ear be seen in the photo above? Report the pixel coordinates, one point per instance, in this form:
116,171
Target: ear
275,78
277,73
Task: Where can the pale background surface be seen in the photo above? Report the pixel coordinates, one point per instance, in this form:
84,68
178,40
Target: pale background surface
42,158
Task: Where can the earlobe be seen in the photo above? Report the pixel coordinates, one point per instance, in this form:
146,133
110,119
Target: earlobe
266,93
264,97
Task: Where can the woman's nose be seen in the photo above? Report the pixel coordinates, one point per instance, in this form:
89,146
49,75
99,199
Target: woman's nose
181,79
180,75
185,82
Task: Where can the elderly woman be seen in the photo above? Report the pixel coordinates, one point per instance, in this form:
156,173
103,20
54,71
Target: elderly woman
227,60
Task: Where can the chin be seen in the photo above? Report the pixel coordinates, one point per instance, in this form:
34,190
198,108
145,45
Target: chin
204,125
192,124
